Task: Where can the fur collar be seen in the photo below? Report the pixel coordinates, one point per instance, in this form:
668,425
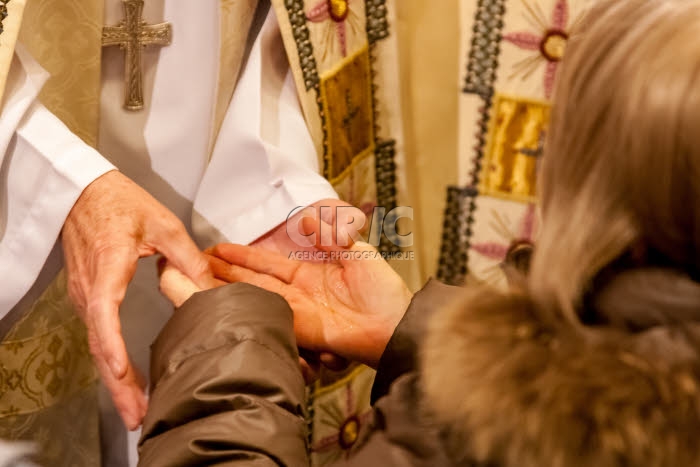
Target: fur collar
516,390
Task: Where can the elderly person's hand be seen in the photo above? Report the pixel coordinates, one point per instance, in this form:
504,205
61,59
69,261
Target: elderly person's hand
114,223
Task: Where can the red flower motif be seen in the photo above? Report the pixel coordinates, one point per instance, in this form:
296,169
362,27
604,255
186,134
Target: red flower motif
499,251
550,43
348,422
336,11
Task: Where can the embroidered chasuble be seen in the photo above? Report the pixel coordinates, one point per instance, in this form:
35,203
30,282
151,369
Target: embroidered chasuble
46,372
344,55
343,61
510,56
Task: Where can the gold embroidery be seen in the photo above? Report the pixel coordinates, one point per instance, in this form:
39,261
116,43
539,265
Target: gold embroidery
44,360
338,9
346,95
131,35
66,434
554,45
64,37
513,148
234,24
339,413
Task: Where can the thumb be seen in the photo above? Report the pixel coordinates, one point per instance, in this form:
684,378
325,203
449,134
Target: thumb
179,249
113,272
176,286
365,253
325,236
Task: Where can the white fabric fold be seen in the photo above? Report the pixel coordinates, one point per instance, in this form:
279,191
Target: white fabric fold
180,121
264,163
45,168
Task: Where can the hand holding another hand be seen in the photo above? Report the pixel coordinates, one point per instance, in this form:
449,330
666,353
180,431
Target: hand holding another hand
348,307
111,226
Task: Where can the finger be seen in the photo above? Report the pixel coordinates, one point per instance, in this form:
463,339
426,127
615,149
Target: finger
127,394
328,209
177,246
325,236
333,362
112,272
176,286
348,220
373,263
258,260
231,274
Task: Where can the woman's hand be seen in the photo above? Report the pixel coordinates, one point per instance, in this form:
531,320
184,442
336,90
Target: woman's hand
348,306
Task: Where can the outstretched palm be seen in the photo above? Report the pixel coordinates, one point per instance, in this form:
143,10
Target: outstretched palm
348,306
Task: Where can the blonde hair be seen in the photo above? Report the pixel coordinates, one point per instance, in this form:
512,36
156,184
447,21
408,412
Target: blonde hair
518,376
622,158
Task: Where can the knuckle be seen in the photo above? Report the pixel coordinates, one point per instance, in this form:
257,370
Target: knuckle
172,227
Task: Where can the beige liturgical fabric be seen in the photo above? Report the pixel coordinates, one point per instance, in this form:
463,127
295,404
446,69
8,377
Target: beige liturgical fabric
344,56
427,83
46,373
65,37
8,38
429,49
510,59
46,378
233,39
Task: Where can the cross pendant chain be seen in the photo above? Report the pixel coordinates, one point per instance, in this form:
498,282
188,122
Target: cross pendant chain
132,34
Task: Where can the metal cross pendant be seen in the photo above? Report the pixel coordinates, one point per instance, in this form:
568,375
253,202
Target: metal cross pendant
131,35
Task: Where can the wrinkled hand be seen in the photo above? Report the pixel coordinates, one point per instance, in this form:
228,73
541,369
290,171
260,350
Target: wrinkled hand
348,307
111,226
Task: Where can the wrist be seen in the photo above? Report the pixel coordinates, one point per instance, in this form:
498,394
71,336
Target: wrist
378,339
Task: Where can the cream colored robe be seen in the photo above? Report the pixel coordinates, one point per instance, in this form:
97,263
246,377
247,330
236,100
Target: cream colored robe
343,83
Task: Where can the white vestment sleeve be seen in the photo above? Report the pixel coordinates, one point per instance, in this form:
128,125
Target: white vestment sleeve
264,163
44,168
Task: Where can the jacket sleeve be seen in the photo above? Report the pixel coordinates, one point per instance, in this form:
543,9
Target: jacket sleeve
401,354
226,384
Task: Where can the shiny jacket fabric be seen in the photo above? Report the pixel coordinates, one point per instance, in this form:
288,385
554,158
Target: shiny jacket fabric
227,389
503,385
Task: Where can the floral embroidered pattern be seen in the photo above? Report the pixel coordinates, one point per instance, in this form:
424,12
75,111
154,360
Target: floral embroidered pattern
549,43
336,13
514,143
509,242
342,417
